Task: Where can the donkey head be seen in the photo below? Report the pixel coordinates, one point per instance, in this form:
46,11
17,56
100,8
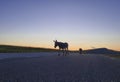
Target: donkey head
55,43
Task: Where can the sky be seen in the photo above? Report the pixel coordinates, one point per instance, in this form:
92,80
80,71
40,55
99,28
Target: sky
83,24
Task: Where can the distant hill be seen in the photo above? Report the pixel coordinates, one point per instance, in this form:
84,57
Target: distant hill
20,49
102,51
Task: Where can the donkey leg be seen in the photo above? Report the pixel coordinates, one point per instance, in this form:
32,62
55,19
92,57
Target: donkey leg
63,52
66,52
59,52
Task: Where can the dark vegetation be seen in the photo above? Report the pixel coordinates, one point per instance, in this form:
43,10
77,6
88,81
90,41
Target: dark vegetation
20,49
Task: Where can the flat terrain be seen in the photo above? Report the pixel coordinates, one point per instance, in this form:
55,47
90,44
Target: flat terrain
48,67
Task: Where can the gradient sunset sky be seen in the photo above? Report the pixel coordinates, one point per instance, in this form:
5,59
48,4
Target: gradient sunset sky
82,23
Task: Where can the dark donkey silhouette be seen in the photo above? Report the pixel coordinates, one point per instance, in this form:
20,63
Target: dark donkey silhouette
62,46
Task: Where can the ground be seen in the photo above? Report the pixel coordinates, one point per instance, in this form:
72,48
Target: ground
53,68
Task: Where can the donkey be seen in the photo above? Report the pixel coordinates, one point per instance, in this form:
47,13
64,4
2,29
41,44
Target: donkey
62,46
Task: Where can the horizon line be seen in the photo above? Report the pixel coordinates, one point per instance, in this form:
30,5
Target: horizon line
50,48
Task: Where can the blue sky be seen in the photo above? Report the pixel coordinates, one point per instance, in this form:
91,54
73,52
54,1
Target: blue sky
81,23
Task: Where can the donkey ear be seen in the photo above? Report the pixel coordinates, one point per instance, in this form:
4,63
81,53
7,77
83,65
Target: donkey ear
54,40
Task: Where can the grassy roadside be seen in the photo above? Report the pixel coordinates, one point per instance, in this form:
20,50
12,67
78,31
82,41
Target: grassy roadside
19,49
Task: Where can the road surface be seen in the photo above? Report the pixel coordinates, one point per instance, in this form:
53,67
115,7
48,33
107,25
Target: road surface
53,68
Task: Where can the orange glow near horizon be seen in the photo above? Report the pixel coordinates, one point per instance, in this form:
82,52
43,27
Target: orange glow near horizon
71,47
